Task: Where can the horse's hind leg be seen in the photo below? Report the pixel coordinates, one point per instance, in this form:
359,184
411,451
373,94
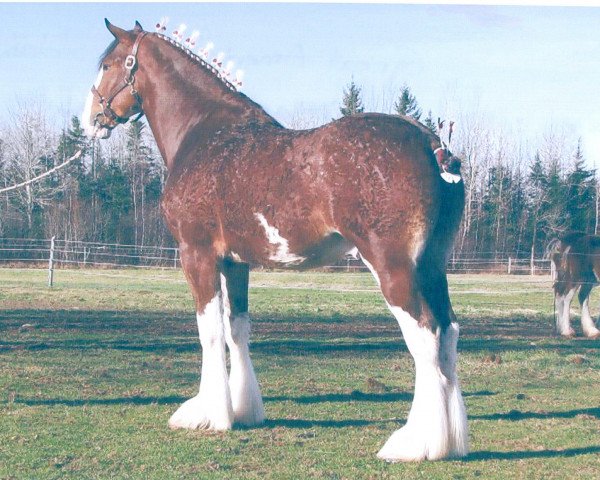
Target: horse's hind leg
211,408
436,427
245,393
587,323
457,415
563,295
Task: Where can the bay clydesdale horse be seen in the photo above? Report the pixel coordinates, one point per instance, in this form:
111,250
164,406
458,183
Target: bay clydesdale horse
576,261
243,190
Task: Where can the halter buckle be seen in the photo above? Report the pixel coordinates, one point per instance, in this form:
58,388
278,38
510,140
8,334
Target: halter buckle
129,62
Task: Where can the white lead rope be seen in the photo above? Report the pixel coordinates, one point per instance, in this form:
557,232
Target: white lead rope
45,174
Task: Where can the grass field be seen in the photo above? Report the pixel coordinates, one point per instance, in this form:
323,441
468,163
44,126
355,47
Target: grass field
91,370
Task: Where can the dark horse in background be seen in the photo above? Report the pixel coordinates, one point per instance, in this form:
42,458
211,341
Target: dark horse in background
576,261
243,190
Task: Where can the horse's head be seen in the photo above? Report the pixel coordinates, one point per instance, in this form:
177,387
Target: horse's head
113,99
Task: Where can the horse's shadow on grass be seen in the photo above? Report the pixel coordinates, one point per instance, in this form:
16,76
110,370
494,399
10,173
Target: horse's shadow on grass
516,415
354,396
173,332
283,347
303,424
526,454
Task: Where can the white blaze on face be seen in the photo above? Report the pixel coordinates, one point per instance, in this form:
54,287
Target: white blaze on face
283,254
89,127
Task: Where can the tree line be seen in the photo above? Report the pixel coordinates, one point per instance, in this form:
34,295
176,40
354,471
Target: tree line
111,195
518,196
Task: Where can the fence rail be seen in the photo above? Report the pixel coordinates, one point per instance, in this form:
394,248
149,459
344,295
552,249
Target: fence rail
75,254
87,254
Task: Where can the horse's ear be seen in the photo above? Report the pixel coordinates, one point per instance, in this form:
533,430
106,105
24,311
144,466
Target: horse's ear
138,27
117,32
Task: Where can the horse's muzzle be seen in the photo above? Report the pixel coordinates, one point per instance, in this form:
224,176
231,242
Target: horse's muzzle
103,126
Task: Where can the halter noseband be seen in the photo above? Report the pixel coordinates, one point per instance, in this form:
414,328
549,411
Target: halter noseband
130,66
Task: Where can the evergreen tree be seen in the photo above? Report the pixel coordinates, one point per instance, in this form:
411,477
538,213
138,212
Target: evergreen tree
71,140
546,201
115,203
580,195
430,123
351,103
407,104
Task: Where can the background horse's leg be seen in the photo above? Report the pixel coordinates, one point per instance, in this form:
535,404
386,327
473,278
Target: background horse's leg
211,408
436,427
245,393
587,323
564,296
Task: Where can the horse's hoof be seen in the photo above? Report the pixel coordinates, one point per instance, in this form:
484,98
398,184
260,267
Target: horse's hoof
409,445
569,334
195,414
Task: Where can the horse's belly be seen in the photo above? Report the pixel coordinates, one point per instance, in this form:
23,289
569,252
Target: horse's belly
326,251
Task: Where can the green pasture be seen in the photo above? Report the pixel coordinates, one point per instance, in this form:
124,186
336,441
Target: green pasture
91,370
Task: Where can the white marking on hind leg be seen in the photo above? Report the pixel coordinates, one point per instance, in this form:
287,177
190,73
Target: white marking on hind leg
426,432
457,415
211,409
563,321
587,323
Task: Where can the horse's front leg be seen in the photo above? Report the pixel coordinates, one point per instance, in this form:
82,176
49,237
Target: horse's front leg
563,297
211,408
246,398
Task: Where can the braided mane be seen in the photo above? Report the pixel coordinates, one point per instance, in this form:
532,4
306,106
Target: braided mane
219,74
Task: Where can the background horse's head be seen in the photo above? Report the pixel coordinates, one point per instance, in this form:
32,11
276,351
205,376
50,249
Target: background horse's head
113,99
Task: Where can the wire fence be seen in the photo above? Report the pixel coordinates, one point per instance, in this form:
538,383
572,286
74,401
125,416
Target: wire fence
76,254
37,252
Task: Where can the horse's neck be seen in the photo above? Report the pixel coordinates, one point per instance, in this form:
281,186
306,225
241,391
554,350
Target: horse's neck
180,96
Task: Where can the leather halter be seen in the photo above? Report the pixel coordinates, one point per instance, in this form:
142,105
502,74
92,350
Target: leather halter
130,67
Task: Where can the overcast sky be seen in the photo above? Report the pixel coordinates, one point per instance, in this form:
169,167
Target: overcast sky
524,68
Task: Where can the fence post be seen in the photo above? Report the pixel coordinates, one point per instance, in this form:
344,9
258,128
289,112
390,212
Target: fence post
51,263
175,258
509,264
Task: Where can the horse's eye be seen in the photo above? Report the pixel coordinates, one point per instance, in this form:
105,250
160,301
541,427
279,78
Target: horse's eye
105,67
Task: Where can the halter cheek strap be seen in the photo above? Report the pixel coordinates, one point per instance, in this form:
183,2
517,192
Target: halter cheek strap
130,65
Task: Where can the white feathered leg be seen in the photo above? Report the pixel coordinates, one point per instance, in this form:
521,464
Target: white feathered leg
425,436
587,323
457,415
563,310
246,398
245,393
211,409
